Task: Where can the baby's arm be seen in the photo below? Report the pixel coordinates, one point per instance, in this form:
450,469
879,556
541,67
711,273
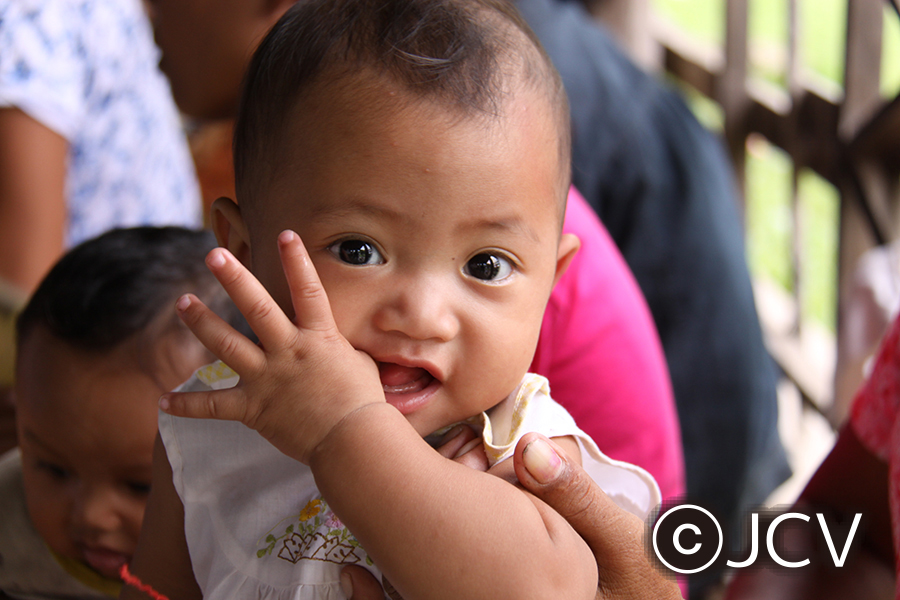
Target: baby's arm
161,559
436,528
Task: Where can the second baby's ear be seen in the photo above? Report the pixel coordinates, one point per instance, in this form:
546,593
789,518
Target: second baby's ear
230,229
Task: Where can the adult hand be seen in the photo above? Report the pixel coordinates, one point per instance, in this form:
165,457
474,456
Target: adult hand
615,536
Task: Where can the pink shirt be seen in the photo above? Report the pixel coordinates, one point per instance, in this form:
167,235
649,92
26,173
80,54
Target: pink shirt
600,351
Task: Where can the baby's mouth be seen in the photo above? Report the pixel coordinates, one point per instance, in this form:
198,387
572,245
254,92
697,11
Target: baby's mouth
104,561
399,379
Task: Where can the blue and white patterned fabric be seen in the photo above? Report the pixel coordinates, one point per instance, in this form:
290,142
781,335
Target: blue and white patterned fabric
87,69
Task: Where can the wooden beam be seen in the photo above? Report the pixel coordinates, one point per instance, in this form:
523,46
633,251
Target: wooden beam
881,135
693,62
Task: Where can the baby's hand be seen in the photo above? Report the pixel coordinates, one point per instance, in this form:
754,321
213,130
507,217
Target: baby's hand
302,378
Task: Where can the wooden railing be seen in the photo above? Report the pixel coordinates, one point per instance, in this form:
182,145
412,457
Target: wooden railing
851,139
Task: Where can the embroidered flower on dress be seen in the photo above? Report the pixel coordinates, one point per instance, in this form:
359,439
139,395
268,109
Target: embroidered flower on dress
315,534
332,521
310,510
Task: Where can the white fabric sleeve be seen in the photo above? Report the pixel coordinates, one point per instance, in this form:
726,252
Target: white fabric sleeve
43,64
530,408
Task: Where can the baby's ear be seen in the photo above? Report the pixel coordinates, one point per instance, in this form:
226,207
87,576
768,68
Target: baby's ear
230,229
568,246
272,11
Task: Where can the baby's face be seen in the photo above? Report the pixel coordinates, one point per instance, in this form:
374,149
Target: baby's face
86,426
206,45
436,239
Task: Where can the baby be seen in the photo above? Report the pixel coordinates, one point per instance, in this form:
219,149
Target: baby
402,168
97,344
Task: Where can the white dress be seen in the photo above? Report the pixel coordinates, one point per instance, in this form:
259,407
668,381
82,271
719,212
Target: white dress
87,69
257,527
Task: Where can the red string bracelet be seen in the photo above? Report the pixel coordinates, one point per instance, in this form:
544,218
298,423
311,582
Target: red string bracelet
135,582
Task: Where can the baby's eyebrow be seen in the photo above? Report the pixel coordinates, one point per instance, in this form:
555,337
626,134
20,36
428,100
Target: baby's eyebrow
337,210
34,439
512,224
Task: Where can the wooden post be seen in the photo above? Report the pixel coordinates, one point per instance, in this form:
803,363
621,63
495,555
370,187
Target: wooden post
862,66
630,23
862,180
731,90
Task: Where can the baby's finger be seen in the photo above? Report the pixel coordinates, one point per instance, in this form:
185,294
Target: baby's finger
359,584
228,405
265,317
454,440
311,307
461,444
220,338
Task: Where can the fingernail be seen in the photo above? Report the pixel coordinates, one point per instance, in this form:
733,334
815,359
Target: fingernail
453,434
542,461
347,585
286,236
216,258
468,447
164,403
183,303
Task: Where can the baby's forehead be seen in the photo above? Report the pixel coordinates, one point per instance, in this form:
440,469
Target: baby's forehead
369,116
368,95
150,359
470,56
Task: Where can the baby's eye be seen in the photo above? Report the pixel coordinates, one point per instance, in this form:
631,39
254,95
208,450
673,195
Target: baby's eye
138,488
357,252
488,267
55,471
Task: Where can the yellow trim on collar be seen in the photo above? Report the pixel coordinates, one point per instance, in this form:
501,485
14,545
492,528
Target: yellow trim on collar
88,576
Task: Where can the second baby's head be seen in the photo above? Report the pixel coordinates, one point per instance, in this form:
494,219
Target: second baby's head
420,149
97,344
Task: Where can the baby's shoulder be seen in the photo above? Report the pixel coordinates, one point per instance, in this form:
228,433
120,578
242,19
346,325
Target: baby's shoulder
17,534
27,568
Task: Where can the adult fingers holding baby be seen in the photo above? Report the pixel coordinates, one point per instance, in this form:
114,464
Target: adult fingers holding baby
614,535
287,353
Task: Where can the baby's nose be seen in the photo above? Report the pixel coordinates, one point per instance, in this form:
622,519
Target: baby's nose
423,310
95,510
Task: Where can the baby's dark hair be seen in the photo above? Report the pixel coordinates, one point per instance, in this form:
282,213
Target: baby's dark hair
468,55
116,286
